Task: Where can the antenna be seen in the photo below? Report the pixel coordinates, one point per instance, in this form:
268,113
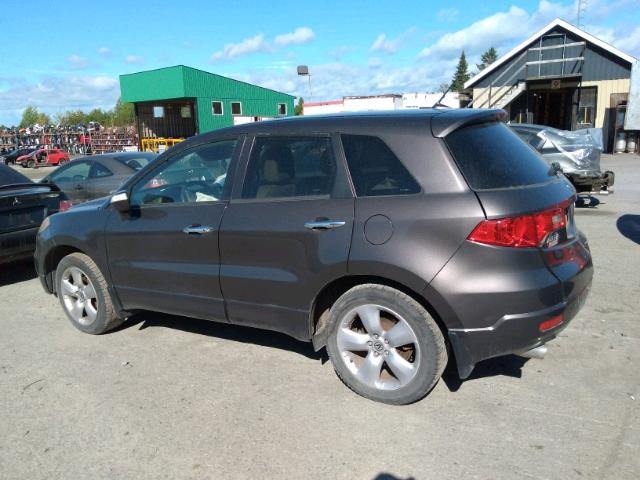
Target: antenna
582,10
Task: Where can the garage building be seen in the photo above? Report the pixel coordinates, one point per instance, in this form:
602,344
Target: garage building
179,102
562,77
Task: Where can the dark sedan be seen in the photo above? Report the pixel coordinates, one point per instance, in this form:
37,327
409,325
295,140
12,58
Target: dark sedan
23,207
96,176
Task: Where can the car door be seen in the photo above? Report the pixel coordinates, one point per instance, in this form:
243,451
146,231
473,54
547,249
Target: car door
71,179
163,254
286,232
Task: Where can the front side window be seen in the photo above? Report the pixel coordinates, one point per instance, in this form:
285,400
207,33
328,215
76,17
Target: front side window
375,169
281,167
195,175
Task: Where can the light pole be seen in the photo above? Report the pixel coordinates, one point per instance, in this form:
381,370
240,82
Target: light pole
303,71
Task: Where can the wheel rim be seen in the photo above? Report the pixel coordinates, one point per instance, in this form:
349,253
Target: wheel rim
379,347
79,296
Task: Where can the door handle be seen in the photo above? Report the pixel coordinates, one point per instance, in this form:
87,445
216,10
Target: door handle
79,187
324,224
197,229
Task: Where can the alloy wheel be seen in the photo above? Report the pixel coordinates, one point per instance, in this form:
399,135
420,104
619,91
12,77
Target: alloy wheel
79,296
379,347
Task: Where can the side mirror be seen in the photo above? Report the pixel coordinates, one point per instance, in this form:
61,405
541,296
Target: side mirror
120,201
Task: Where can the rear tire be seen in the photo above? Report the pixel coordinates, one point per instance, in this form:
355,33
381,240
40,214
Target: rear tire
84,295
384,345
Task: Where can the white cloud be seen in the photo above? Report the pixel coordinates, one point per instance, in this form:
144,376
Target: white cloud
77,62
54,94
390,45
245,47
629,43
501,30
104,52
375,62
447,14
299,36
338,52
134,59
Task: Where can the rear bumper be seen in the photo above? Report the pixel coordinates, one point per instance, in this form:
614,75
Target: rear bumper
511,334
493,299
17,245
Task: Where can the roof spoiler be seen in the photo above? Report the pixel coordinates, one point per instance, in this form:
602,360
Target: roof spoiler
451,120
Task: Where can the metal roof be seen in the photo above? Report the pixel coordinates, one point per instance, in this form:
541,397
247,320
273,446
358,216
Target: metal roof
555,23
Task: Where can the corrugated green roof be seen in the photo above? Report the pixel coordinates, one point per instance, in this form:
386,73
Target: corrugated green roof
181,81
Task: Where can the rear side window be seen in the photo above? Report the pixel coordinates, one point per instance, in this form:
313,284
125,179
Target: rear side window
375,169
490,155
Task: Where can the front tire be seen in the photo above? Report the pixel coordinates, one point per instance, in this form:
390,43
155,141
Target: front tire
84,295
384,345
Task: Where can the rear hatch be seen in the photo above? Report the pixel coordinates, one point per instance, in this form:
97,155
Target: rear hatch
24,206
526,204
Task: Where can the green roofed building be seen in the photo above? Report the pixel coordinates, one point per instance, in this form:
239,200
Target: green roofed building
180,101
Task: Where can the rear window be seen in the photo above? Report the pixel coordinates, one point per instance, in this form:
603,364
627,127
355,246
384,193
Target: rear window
491,156
136,162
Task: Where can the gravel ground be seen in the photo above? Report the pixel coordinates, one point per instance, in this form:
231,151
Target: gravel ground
169,397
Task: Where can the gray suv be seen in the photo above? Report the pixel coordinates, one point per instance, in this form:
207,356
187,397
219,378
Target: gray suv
395,240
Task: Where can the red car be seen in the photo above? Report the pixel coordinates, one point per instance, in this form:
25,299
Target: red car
42,157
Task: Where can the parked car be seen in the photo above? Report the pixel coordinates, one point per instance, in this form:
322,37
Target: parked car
23,206
96,176
43,157
576,153
391,239
10,157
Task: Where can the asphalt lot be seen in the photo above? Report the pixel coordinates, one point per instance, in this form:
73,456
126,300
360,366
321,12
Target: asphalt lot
169,397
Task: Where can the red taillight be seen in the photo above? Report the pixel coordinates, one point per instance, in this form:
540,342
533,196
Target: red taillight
551,323
520,232
64,205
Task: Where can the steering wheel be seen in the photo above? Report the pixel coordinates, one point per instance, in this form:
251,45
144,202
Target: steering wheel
192,188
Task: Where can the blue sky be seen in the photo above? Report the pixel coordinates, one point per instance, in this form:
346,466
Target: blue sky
68,55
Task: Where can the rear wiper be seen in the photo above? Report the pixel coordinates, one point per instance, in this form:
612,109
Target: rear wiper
555,169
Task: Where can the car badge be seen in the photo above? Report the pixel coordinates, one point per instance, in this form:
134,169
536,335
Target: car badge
16,201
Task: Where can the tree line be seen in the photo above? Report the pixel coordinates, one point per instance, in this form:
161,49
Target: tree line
462,74
121,115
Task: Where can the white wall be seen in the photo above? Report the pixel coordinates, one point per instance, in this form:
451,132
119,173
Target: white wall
371,103
363,104
323,108
427,100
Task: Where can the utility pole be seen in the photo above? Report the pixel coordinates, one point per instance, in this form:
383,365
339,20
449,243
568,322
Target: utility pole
582,10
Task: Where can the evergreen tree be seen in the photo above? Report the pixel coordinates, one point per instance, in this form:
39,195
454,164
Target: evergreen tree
487,58
461,75
299,108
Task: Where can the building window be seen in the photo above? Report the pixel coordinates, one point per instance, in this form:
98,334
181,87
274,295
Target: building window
587,108
236,108
185,111
282,109
158,112
216,107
